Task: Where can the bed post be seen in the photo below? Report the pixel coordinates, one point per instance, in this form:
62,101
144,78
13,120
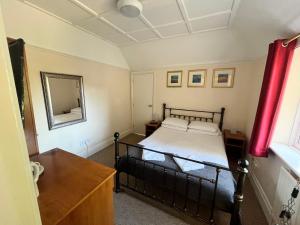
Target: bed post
117,158
221,118
238,195
164,111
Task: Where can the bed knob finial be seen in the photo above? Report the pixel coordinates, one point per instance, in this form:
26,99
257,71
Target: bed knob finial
243,165
117,135
238,195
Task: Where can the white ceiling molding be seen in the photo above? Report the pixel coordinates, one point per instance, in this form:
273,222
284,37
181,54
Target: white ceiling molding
211,15
84,7
184,15
150,26
234,9
137,30
117,28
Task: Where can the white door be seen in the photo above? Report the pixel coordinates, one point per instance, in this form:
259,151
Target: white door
142,101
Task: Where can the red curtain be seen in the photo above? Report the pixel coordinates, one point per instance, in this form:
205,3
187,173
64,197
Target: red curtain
275,77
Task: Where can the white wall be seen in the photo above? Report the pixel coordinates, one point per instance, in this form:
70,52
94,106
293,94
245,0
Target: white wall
107,97
40,29
235,99
18,204
257,78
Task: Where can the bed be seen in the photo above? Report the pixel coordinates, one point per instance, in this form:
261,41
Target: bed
74,114
183,169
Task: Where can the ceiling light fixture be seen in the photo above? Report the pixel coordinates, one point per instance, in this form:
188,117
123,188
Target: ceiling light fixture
130,8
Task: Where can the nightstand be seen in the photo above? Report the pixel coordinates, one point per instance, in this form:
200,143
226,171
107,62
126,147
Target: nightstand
151,127
235,142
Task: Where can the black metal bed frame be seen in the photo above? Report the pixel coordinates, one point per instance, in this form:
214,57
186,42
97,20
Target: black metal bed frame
242,171
203,115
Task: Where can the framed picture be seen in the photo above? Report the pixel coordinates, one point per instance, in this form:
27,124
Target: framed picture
223,78
174,78
196,78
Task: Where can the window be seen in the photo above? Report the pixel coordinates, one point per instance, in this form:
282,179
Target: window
295,138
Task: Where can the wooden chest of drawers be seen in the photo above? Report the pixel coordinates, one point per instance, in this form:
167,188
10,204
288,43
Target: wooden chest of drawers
74,190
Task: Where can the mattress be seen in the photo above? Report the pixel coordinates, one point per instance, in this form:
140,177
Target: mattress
62,118
195,146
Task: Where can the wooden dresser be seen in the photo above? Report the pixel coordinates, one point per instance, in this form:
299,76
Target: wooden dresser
74,190
235,142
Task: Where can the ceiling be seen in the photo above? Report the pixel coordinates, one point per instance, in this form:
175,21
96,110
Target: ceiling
160,19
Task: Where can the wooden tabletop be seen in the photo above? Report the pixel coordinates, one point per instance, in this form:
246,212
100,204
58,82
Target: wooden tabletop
153,124
66,182
237,136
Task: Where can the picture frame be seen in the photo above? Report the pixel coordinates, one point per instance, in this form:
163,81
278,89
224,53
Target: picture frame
197,78
174,78
223,78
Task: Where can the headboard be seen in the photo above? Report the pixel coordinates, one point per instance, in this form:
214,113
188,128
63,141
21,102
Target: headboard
200,115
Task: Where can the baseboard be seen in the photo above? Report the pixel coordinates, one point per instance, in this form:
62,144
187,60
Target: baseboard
103,144
261,196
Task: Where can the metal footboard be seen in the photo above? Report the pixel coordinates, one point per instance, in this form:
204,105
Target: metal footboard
139,181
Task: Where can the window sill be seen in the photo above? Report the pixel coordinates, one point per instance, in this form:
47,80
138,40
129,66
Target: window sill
289,154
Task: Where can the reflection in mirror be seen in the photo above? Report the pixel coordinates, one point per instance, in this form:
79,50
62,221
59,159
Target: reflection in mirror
64,99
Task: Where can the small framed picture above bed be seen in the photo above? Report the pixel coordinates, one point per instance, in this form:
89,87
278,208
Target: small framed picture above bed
223,78
174,78
196,78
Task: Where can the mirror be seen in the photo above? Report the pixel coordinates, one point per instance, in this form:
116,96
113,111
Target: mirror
64,99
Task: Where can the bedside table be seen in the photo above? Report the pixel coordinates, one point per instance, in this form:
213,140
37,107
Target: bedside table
235,142
151,127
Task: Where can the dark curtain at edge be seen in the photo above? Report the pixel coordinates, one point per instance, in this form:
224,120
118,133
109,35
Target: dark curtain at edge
272,90
16,51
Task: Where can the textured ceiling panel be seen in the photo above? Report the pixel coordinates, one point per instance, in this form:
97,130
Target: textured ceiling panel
144,35
125,23
100,6
198,8
210,22
99,27
122,40
62,8
173,30
159,19
162,12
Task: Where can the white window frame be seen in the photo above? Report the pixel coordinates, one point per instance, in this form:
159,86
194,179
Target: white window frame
295,136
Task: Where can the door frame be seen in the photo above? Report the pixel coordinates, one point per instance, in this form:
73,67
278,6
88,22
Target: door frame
131,95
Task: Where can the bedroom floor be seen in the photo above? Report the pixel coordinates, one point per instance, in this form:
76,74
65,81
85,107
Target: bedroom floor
134,209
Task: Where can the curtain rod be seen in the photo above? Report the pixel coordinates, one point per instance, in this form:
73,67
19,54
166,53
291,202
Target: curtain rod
287,41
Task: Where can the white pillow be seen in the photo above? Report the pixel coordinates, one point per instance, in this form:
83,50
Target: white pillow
175,122
76,110
174,127
195,131
204,126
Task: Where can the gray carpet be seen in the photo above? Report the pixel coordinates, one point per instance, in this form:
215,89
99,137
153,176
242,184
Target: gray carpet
134,209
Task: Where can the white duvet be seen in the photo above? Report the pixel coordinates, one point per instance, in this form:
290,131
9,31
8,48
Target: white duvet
200,147
62,118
